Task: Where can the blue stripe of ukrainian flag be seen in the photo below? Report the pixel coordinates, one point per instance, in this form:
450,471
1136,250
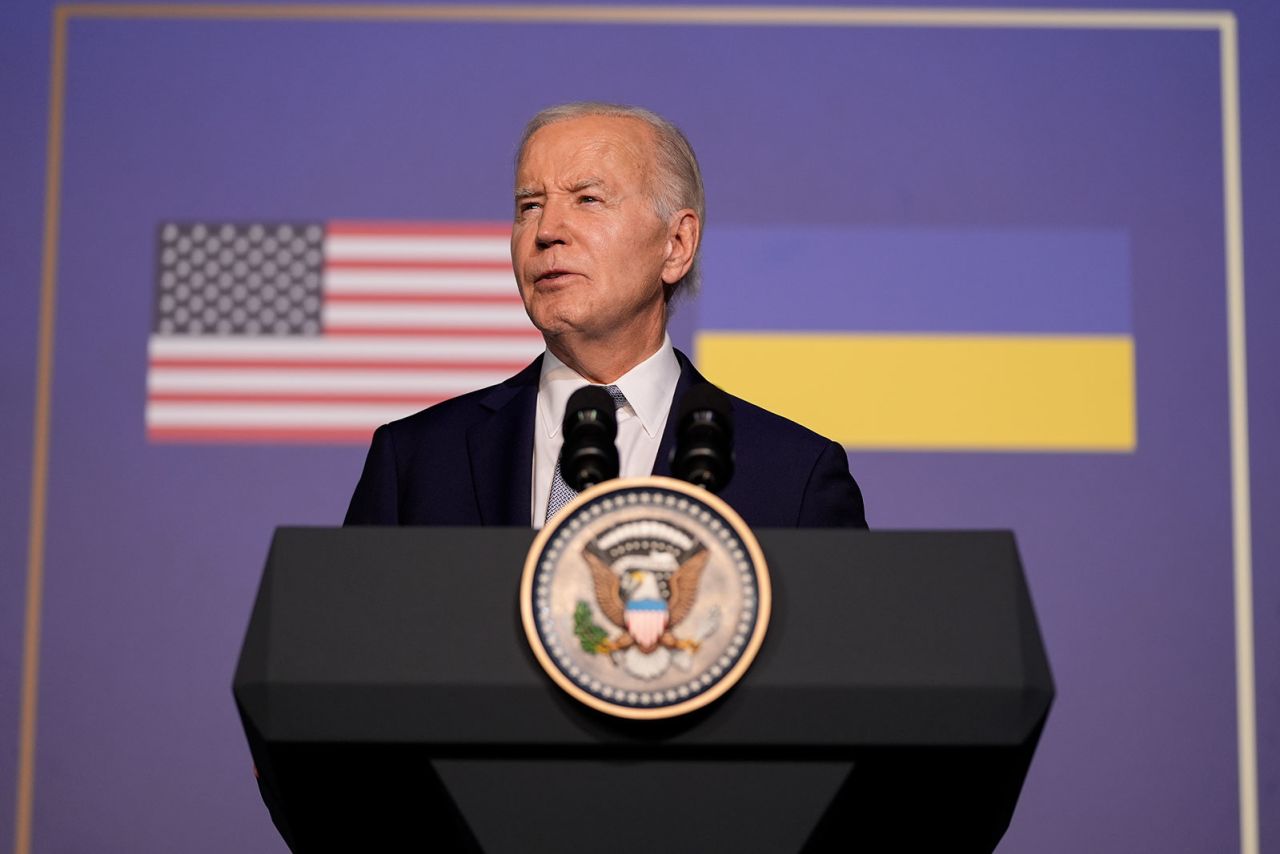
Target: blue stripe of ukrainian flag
927,339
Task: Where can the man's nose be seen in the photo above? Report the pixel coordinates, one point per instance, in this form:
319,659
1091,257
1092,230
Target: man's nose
552,225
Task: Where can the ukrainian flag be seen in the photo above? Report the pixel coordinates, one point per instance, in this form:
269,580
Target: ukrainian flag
927,338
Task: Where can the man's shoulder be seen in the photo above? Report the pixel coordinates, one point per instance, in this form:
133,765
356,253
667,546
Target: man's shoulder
452,412
459,413
756,421
789,475
749,416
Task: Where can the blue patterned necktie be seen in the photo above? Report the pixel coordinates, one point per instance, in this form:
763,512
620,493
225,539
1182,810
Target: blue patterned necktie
561,492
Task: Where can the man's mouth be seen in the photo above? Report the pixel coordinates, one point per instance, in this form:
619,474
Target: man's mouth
552,276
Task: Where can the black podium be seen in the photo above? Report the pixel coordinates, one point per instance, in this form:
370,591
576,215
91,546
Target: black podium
392,704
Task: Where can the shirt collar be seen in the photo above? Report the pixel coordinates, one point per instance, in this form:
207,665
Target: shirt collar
648,387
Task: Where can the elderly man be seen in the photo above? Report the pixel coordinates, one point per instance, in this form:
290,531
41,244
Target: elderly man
608,218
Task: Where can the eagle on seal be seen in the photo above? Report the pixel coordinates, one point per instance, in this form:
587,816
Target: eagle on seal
647,598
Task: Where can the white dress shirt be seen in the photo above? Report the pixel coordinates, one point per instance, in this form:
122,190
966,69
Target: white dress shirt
649,388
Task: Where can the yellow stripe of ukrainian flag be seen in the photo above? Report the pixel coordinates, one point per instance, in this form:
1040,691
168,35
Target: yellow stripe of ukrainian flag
937,392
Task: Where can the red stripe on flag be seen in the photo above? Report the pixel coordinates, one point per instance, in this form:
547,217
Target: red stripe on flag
292,435
419,401
322,364
459,229
442,331
434,264
512,298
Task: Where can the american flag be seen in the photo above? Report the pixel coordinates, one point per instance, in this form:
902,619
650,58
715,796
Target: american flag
322,331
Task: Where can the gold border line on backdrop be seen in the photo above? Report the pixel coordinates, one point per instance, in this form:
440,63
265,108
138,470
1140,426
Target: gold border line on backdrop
1222,22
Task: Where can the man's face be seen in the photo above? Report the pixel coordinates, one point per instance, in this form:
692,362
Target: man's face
589,252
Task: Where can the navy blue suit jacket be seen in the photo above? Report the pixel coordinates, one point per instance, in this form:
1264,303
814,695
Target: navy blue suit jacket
468,461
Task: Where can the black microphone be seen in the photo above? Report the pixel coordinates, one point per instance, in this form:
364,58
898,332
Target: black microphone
589,455
704,440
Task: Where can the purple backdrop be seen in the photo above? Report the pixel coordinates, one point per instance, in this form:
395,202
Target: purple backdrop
153,551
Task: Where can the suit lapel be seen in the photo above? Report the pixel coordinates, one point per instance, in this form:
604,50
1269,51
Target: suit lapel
501,449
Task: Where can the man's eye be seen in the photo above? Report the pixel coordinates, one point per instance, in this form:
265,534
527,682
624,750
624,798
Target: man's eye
525,207
586,199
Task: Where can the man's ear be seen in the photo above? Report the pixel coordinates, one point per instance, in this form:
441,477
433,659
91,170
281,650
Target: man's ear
682,245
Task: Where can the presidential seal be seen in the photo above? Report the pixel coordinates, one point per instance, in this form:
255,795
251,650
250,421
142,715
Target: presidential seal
645,597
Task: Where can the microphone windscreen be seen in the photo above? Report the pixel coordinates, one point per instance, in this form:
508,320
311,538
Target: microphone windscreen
703,454
589,455
589,398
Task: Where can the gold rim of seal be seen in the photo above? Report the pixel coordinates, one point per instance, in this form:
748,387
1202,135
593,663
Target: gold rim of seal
764,598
